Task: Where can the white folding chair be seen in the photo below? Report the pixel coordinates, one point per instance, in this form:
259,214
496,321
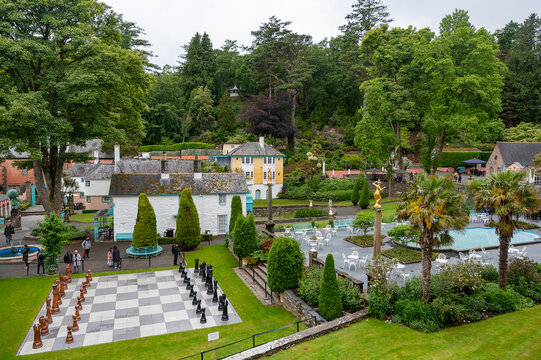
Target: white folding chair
346,261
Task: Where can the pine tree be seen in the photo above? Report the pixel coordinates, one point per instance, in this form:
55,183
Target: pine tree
236,210
364,198
330,301
226,115
144,232
366,15
188,229
245,237
355,193
285,261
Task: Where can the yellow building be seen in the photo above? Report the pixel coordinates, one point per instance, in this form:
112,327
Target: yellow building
260,163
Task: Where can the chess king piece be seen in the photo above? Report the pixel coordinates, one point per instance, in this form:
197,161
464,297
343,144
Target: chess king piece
44,325
37,337
198,310
194,301
196,269
49,317
75,326
210,290
77,315
69,337
203,319
225,317
89,275
215,295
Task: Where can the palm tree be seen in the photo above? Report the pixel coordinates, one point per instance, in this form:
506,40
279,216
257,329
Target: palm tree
433,206
508,196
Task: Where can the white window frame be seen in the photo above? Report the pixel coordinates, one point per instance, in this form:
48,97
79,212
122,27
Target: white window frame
87,183
224,223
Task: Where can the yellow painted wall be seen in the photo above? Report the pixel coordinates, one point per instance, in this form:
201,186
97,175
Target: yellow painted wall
279,172
236,164
258,170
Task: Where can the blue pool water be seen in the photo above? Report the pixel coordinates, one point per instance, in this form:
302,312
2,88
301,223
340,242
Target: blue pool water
479,237
7,252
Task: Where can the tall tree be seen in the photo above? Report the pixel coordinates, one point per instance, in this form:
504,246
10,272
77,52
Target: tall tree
201,109
226,115
366,15
268,116
199,64
433,206
66,78
507,195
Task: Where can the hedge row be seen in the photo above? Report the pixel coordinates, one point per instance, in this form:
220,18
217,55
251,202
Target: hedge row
176,147
309,212
89,211
455,158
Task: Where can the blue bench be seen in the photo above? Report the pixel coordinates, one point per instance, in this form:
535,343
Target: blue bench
299,227
147,251
124,236
342,223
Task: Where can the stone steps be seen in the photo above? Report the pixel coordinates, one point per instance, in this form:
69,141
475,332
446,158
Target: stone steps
259,275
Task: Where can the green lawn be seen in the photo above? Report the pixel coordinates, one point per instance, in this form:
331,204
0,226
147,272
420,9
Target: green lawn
86,218
22,299
510,336
283,202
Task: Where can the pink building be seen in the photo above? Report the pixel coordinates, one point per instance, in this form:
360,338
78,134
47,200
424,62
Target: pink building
514,156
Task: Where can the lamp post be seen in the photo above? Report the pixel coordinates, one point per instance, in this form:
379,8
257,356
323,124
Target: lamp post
269,225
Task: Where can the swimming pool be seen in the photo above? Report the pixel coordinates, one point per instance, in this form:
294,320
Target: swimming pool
482,237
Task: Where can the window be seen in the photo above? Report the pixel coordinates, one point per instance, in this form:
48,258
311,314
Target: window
537,179
264,160
88,199
105,199
222,224
221,199
83,180
87,183
242,160
274,160
264,175
82,195
247,174
274,177
252,174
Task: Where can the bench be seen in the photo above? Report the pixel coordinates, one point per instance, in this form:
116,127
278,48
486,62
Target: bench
342,223
135,252
124,236
299,227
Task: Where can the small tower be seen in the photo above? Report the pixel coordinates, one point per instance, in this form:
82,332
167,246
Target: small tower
234,91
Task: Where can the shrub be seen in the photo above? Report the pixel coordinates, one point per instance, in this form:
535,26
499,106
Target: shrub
89,211
364,222
499,300
490,274
245,239
266,245
176,147
166,240
351,161
236,210
414,311
413,289
284,267
364,198
447,312
355,194
425,326
260,256
144,231
455,158
403,234
330,301
188,232
461,278
380,269
310,284
53,234
475,306
309,212
378,303
525,268
352,299
526,289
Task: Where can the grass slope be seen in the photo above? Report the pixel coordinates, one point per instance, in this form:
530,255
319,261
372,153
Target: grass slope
510,336
22,299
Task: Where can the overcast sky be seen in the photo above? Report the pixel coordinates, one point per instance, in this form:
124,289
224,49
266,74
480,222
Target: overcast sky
171,23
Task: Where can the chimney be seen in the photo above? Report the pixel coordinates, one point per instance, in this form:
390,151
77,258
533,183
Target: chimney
117,153
262,141
96,155
163,163
197,164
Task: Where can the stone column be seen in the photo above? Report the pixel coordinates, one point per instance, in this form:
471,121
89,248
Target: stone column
311,256
28,191
377,230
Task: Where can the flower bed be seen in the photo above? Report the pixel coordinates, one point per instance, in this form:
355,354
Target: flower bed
406,256
362,240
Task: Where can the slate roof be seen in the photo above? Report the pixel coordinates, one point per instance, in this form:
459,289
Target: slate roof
254,149
91,171
3,197
81,169
520,152
153,166
211,183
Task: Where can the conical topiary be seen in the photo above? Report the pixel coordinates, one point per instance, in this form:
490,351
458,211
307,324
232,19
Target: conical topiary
364,199
284,266
245,236
330,301
355,193
188,229
144,232
236,210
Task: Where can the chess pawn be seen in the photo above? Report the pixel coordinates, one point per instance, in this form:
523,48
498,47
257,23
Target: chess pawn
186,279
44,325
89,275
84,288
37,337
215,295
210,290
202,273
198,310
192,293
180,267
220,303
88,280
194,301
69,337
225,317
77,315
68,275
196,269
203,319
78,306
75,326
56,308
82,296
188,285
49,317
183,274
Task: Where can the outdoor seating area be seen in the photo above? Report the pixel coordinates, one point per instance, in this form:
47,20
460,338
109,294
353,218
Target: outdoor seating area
479,217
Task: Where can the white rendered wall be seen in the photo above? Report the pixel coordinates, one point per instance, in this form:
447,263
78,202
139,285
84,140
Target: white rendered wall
263,188
96,188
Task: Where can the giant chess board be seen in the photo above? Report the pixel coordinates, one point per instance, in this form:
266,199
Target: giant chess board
129,306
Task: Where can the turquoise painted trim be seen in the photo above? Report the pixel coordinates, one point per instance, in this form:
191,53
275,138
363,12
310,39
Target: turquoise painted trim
33,195
177,194
225,200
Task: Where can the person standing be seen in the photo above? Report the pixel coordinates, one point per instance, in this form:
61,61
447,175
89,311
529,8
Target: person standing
76,261
116,257
110,257
175,251
26,251
41,259
86,246
68,260
9,230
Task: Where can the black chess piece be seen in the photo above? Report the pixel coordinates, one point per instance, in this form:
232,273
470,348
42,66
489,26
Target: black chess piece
198,310
215,296
203,273
194,301
196,270
221,302
180,268
186,279
203,317
188,285
208,282
210,290
215,283
225,317
192,292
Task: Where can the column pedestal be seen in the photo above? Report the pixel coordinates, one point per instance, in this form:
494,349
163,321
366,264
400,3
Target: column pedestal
377,231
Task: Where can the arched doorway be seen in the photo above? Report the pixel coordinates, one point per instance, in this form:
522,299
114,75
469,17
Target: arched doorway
258,194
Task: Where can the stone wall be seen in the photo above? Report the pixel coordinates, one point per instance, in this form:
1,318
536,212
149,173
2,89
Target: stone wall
300,309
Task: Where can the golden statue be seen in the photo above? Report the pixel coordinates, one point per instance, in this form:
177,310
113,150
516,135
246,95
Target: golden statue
377,193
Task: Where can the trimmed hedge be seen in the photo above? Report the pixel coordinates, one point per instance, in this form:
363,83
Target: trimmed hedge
89,211
188,229
284,266
455,158
245,239
176,147
364,198
355,194
236,210
330,301
144,231
309,212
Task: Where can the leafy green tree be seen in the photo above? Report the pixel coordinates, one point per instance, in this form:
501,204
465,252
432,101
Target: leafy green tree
53,234
366,15
507,195
236,211
364,199
330,301
226,115
198,66
188,228
524,132
244,236
284,266
403,234
355,193
67,77
201,108
364,222
433,206
144,231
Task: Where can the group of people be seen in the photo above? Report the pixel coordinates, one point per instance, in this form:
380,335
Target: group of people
113,257
72,261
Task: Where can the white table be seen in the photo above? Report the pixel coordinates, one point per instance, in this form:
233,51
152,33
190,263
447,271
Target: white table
442,261
475,256
399,266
